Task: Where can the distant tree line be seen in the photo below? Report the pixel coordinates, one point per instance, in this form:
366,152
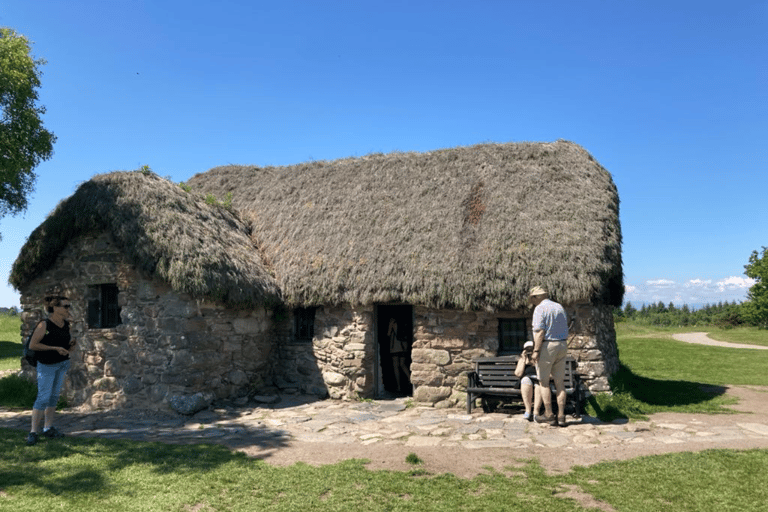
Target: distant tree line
753,312
723,314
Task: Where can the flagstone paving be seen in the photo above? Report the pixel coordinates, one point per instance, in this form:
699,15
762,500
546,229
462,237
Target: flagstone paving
389,422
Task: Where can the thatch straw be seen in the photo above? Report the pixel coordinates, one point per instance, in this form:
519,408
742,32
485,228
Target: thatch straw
200,249
470,227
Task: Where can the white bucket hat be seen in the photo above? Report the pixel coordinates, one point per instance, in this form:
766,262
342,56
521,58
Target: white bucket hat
536,291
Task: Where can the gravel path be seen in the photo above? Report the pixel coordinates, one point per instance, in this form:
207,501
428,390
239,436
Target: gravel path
701,338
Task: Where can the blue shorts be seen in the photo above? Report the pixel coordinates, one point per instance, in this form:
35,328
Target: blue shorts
50,379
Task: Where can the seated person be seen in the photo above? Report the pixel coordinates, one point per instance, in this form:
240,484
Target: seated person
526,372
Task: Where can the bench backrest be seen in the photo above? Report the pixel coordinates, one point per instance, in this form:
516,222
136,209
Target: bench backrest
496,372
499,372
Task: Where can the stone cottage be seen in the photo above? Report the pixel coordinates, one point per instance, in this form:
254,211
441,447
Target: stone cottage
357,278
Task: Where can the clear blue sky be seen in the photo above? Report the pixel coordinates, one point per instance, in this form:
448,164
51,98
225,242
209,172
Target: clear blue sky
670,97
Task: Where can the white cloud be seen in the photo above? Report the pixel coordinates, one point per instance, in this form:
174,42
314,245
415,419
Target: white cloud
660,283
694,292
735,283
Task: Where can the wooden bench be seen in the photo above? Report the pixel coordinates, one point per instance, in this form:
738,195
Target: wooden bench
494,377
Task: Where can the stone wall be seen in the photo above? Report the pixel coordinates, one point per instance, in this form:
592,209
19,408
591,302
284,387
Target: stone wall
167,345
593,345
341,361
170,346
338,362
445,342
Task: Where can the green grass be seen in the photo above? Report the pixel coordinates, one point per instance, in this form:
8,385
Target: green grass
659,374
747,335
10,342
15,392
655,355
717,480
97,475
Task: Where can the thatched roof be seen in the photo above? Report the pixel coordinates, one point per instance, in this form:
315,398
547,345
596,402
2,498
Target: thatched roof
198,248
469,227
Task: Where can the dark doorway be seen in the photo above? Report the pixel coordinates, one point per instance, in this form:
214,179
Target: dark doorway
395,335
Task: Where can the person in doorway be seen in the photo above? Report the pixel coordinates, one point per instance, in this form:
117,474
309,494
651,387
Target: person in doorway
398,351
526,372
52,342
550,334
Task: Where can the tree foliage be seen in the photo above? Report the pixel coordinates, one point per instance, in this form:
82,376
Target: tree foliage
755,310
24,142
724,314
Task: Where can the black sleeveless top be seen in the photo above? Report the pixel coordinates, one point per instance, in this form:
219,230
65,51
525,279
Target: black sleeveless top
55,336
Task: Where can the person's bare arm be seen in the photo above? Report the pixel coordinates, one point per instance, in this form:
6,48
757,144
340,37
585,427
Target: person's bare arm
520,368
37,337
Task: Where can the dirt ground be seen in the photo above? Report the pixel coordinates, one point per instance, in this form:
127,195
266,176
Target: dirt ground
467,463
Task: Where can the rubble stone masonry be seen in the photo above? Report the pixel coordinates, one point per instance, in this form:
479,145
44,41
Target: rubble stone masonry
169,345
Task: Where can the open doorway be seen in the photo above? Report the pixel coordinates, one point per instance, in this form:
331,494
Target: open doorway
395,335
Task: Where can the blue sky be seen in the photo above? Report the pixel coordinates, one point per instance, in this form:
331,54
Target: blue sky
670,97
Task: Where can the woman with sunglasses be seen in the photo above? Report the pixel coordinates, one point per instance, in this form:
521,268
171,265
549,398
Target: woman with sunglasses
52,343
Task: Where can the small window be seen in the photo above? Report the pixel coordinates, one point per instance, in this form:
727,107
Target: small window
304,323
103,309
512,335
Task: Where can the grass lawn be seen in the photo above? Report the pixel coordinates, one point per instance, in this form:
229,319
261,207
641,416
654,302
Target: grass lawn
655,354
96,475
660,374
747,335
10,342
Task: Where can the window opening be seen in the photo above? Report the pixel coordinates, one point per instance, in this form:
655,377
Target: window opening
512,335
103,307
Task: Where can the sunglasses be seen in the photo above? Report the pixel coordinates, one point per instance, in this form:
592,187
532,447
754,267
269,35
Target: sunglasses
65,306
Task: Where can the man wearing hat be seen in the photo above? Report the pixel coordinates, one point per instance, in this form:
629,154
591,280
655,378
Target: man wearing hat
550,332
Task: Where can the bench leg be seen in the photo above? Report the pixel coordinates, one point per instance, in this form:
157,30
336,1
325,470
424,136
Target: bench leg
577,406
470,399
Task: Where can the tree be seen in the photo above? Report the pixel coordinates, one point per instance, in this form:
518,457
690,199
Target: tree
755,310
24,142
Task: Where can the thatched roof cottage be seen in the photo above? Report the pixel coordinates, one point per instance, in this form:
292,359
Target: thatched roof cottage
294,284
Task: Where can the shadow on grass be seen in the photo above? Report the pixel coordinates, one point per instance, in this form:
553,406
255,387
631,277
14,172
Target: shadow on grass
17,392
635,396
84,463
10,349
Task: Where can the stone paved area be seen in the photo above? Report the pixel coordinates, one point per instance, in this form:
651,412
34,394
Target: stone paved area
391,422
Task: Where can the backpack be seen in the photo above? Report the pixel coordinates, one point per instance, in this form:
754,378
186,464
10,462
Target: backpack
27,353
